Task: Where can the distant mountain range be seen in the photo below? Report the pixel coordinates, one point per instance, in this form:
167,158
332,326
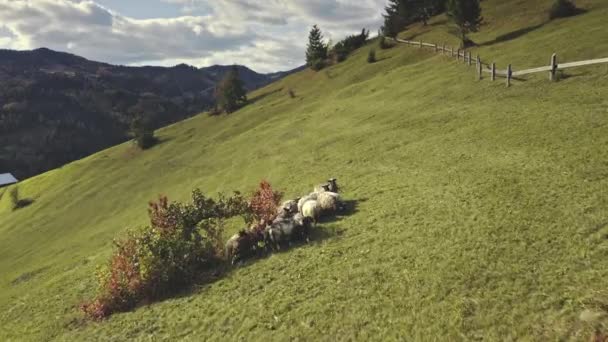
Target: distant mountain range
56,107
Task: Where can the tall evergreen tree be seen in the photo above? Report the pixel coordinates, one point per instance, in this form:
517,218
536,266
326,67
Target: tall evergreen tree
230,93
316,50
393,18
466,14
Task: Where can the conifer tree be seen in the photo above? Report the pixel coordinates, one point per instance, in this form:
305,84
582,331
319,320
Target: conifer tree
466,14
393,20
230,93
316,50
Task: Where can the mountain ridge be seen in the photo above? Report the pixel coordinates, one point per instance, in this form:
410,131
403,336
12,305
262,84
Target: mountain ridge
56,107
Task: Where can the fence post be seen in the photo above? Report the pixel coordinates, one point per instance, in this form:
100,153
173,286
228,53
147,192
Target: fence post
443,52
458,54
509,71
435,46
451,51
493,71
479,70
553,67
420,42
469,58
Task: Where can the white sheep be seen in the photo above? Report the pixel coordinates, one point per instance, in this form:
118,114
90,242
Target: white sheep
321,188
329,202
291,205
312,209
331,185
311,197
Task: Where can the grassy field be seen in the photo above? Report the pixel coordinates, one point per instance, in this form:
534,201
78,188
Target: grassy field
481,211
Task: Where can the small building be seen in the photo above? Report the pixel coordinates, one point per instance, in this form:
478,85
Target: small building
7,179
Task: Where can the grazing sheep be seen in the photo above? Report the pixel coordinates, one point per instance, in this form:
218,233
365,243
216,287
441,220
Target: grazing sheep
333,185
321,188
311,197
286,231
311,209
290,206
285,214
241,245
329,202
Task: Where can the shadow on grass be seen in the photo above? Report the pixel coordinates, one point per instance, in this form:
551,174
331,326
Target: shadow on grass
439,23
222,269
513,35
219,269
22,203
263,96
161,141
383,58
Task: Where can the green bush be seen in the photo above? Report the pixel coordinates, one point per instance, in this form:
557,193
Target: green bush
317,64
383,44
16,201
14,196
142,132
371,57
562,9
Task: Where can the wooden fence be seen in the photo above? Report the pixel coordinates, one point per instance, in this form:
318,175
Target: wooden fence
509,73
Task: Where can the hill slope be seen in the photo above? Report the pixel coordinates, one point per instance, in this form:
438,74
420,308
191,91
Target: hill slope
481,211
56,107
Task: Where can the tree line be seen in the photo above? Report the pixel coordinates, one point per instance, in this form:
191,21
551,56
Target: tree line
465,14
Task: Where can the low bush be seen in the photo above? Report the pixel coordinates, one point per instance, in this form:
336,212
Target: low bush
164,257
563,9
16,201
371,56
14,196
292,93
383,44
317,64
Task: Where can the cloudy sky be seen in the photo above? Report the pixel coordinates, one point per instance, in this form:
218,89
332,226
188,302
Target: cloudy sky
266,35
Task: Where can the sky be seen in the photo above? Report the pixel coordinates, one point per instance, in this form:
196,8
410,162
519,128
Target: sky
265,35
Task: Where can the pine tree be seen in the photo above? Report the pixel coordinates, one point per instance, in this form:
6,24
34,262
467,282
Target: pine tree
230,93
466,14
316,50
393,21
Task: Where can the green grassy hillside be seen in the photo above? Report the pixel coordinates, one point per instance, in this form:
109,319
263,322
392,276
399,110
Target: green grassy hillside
481,211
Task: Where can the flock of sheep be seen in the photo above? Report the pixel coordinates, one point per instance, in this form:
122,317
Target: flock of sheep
293,222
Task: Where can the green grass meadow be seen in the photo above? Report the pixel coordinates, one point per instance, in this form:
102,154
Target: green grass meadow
481,211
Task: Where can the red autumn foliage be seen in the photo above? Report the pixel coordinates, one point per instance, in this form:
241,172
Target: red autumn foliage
120,283
264,202
161,217
181,240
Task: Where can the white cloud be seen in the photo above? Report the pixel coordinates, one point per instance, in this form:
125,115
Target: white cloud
267,35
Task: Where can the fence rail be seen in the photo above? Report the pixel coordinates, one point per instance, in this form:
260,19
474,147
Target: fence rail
508,73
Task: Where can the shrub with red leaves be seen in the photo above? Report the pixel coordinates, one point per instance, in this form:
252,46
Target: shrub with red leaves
160,215
160,259
120,283
264,202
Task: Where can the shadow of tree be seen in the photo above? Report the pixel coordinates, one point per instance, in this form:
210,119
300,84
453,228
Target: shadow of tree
383,58
219,269
24,202
317,235
263,96
513,35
